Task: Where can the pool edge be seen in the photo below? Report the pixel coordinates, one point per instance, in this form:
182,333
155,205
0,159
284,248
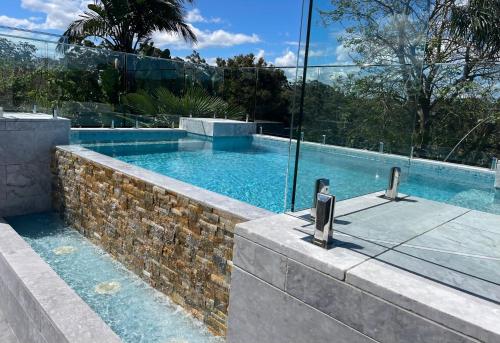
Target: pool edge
38,304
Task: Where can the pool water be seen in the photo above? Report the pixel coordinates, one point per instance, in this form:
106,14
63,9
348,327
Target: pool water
133,310
255,171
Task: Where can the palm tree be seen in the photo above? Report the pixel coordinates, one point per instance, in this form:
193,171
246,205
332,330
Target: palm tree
125,25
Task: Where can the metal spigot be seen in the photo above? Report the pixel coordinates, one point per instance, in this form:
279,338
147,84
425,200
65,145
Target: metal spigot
320,186
323,228
394,181
112,123
381,147
494,163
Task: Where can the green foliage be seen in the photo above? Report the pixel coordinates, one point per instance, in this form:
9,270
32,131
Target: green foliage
262,90
125,25
442,71
196,102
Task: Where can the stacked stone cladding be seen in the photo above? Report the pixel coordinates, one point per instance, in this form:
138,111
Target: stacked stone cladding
178,245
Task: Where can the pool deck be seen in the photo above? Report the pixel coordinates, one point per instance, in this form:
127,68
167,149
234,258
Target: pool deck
451,245
434,264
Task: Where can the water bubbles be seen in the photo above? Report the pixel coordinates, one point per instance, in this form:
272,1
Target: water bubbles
177,340
108,287
64,250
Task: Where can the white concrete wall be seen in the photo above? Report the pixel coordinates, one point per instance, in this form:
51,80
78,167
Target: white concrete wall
26,142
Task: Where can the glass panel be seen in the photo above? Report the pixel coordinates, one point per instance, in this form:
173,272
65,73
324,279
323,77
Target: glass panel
23,69
89,84
393,83
360,96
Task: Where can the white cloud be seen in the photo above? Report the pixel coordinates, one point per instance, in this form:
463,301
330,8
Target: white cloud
58,14
343,55
195,16
288,59
260,54
211,61
206,39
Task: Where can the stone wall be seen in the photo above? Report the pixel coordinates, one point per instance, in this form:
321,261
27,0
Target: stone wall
181,246
26,142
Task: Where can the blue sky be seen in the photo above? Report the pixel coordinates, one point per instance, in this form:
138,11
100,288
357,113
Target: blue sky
268,28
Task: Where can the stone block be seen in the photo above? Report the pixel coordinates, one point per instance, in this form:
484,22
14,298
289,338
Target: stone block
261,262
378,319
262,313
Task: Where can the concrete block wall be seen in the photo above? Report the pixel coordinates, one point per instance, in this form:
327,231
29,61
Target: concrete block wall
26,142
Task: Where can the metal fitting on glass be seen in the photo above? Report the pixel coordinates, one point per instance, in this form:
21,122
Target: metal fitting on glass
323,228
112,123
260,130
302,136
394,181
324,139
381,147
136,124
35,109
54,113
320,186
494,163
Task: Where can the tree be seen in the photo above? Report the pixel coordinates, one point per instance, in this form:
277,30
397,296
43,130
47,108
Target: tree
149,49
442,59
126,25
196,58
256,86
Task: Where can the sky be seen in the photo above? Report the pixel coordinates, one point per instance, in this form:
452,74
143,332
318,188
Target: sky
225,28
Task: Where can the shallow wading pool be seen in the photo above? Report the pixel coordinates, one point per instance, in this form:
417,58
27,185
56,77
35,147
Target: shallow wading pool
133,310
254,170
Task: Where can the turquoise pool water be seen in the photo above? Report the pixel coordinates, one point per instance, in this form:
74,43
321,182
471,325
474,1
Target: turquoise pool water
255,170
135,312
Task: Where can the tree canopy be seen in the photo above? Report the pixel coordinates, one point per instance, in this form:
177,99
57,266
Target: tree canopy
128,25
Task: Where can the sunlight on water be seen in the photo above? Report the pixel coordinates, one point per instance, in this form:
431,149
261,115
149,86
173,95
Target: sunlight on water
255,172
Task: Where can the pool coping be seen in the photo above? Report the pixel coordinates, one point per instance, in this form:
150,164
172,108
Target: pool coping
283,236
223,203
38,304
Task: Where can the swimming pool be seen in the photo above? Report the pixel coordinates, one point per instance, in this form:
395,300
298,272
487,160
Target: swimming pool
254,170
133,310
